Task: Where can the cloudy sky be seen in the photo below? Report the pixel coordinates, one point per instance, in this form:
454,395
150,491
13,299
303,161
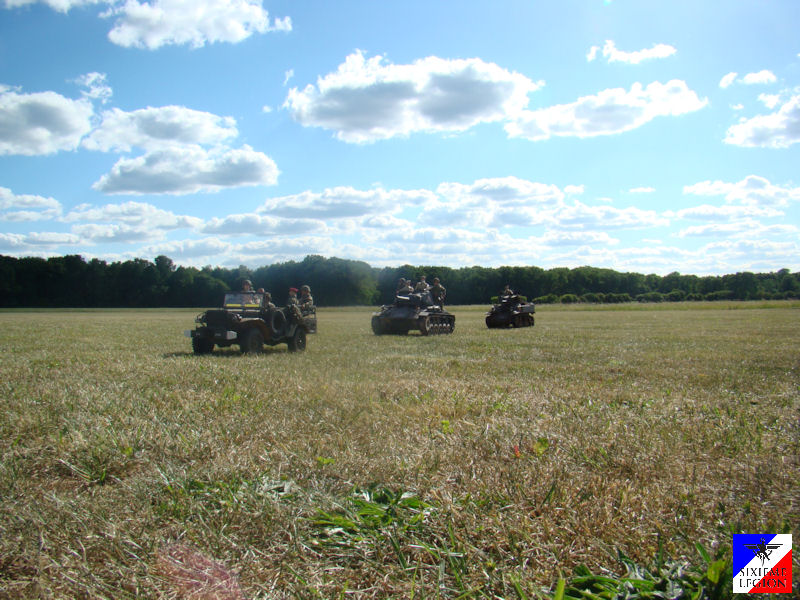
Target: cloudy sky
648,136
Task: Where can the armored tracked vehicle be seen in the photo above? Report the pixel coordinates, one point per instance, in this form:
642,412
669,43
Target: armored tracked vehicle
413,311
510,311
247,320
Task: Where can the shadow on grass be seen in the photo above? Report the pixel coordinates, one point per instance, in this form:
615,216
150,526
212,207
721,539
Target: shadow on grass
228,353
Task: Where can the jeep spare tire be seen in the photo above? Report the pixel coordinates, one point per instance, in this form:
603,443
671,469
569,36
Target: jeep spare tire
277,323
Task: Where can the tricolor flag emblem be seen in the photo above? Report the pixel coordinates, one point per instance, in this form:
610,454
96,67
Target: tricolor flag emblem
762,563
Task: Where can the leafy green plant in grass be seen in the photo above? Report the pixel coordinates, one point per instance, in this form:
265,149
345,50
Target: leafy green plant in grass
671,579
373,516
185,498
98,465
367,512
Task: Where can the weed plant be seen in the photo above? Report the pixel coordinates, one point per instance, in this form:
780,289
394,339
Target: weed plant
514,463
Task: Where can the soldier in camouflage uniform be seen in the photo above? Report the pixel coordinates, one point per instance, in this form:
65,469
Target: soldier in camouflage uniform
306,300
293,304
268,300
438,292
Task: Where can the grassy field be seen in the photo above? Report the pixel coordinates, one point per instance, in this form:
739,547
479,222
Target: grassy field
484,464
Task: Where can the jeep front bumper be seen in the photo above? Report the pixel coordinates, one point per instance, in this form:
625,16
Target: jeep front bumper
217,335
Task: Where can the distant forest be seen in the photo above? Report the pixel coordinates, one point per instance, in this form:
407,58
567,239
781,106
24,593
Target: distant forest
70,281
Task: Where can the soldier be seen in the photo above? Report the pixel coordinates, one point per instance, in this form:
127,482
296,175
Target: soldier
247,286
292,297
405,289
306,300
438,292
422,285
268,300
507,291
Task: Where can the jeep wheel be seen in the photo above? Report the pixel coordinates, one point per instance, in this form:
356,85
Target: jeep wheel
253,342
297,343
202,345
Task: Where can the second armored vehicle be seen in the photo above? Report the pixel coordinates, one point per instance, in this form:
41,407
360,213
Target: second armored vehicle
510,311
246,319
413,311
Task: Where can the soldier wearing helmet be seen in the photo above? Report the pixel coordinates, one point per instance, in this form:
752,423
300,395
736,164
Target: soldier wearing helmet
306,300
268,300
405,288
438,292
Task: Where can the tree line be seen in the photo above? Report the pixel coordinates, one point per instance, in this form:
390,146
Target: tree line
71,281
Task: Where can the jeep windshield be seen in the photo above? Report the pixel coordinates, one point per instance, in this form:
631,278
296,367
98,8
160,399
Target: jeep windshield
243,300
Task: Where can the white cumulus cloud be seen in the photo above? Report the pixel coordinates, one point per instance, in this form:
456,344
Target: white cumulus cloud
155,23
97,87
780,129
261,225
603,217
503,190
153,128
115,233
194,22
134,214
753,190
494,202
613,54
188,170
343,202
727,80
36,241
211,248
609,112
726,212
769,100
577,238
370,99
745,228
42,122
59,5
27,207
759,78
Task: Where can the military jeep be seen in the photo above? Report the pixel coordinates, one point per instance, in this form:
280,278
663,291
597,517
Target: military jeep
248,321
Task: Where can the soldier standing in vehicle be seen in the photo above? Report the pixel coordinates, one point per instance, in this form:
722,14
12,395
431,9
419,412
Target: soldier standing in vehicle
306,300
292,297
422,285
438,292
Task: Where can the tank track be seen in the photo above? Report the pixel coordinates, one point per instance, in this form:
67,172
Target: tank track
436,324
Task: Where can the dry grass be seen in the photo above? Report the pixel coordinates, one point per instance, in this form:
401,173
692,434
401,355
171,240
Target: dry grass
481,464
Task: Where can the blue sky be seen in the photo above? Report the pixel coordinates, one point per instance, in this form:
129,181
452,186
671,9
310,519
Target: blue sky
636,135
